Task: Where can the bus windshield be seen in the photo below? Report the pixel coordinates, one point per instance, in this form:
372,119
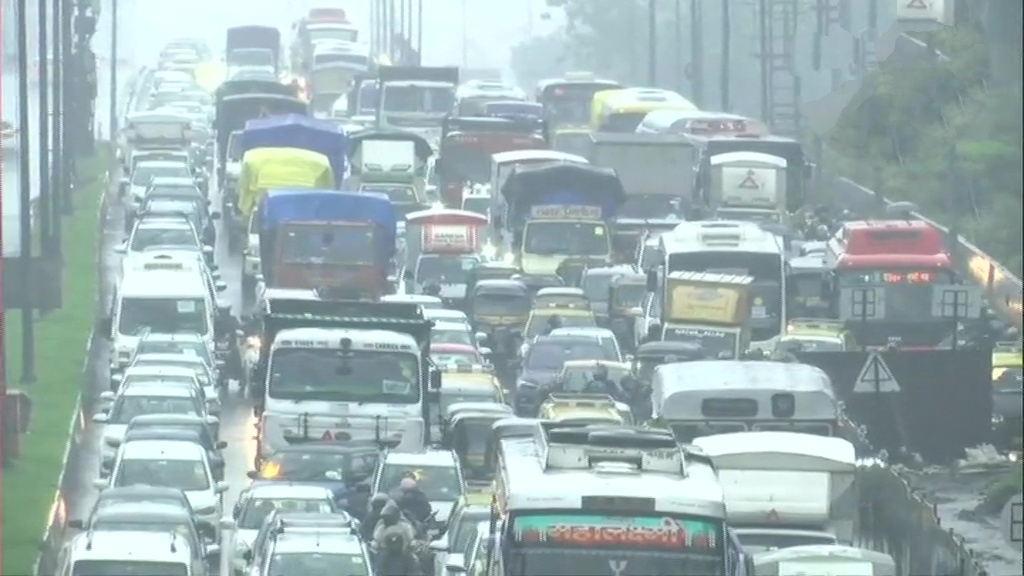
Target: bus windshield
336,375
627,545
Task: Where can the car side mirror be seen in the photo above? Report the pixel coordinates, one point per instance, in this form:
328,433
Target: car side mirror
100,483
252,475
439,546
212,551
221,487
435,381
220,286
76,524
214,215
208,250
486,352
121,249
100,418
221,444
107,396
455,564
636,311
480,338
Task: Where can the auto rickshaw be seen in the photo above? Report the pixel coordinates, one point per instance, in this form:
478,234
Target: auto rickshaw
466,432
498,309
1007,368
805,284
625,295
585,408
559,296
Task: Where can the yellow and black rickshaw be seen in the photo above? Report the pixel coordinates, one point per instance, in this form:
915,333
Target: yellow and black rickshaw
625,296
499,309
466,432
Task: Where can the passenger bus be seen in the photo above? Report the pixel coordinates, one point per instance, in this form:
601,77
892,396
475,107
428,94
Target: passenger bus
567,100
579,499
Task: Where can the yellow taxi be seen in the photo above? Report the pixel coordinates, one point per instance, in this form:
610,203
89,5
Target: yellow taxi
570,315
816,335
572,140
468,383
584,408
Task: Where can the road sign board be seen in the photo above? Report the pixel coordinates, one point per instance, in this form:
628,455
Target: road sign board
862,303
958,302
749,183
875,376
327,435
917,5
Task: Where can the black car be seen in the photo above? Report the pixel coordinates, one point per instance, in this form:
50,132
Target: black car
340,466
544,360
156,517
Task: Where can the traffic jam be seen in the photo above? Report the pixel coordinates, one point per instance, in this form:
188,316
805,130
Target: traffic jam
466,329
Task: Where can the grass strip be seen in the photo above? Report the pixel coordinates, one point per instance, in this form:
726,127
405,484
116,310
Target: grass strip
31,482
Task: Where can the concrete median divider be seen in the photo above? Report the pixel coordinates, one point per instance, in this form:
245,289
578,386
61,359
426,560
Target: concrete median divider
35,485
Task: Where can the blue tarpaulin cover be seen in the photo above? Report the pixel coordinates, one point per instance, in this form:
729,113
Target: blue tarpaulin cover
310,205
562,183
296,131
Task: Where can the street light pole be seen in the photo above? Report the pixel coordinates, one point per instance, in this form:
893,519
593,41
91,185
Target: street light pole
113,71
28,329
652,47
57,112
45,223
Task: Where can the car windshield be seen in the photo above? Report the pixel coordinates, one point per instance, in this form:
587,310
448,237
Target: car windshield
570,238
551,356
456,358
501,304
396,194
539,323
445,269
344,376
196,348
176,207
143,173
629,295
128,568
445,335
575,379
318,465
318,564
198,367
167,315
128,407
197,432
479,204
439,483
257,509
149,236
180,193
185,475
145,524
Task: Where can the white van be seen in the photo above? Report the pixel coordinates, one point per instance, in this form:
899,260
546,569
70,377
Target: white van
167,296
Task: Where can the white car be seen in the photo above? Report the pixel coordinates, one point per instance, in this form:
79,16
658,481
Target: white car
439,477
167,376
452,333
137,401
171,464
427,302
603,336
145,171
207,379
160,232
255,504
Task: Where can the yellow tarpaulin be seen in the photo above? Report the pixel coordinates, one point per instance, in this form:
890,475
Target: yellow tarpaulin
269,168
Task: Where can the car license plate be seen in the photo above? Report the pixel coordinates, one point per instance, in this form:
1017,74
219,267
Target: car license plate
759,312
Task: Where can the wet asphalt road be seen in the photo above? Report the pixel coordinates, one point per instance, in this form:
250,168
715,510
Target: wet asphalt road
954,494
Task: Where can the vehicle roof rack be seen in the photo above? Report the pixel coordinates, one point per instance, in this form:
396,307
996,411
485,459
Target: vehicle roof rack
571,446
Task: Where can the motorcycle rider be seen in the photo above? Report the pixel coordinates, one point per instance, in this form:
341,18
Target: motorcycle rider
373,513
600,383
225,328
395,558
412,501
554,322
391,519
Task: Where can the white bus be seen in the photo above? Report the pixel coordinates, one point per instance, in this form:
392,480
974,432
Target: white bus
729,247
602,499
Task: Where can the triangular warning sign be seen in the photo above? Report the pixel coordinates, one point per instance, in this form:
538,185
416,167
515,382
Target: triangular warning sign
875,376
749,183
327,435
917,5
